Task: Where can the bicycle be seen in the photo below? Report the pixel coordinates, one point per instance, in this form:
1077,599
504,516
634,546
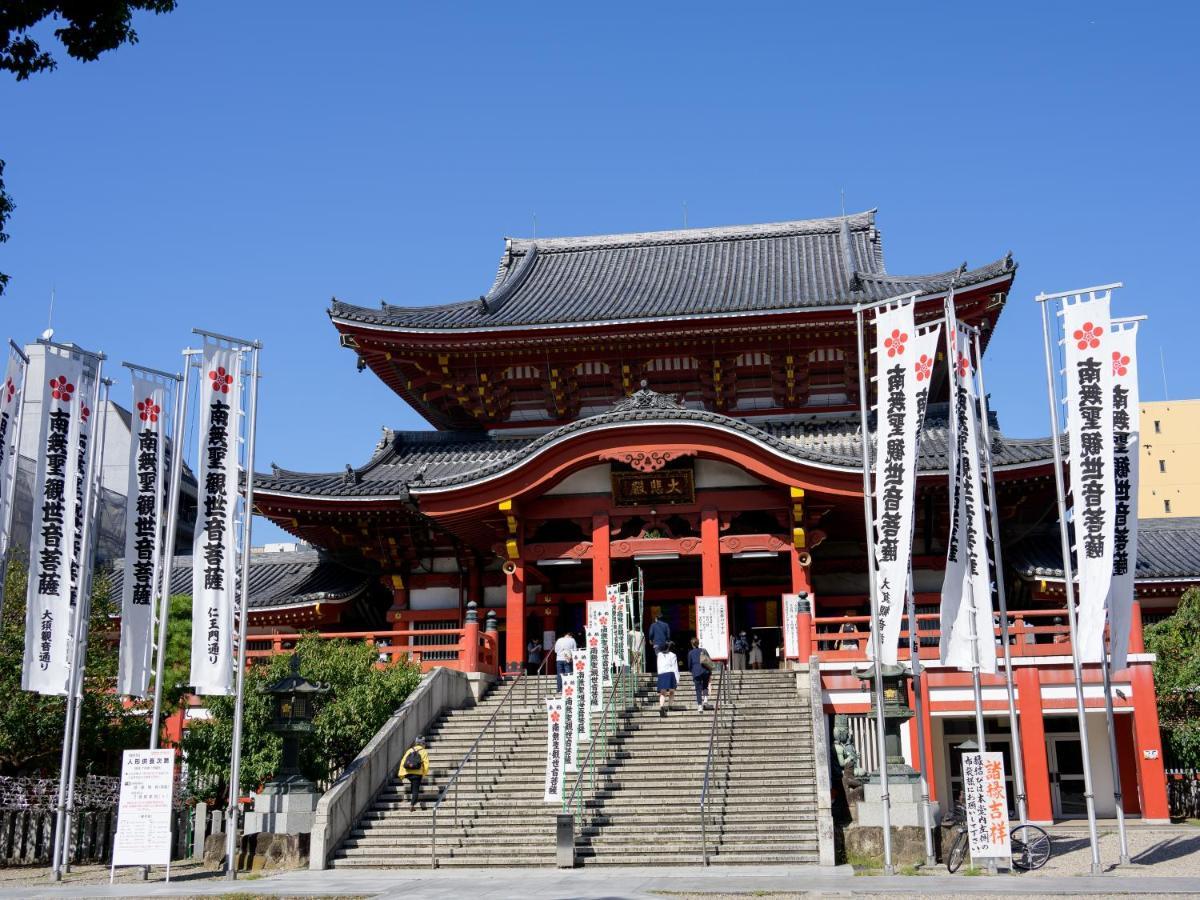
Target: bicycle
1029,844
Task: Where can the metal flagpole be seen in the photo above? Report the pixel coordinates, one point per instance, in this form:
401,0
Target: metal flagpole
86,570
243,616
1068,582
6,525
79,626
1118,797
1018,757
914,656
869,513
173,480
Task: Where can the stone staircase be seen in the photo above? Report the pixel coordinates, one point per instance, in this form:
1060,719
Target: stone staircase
645,806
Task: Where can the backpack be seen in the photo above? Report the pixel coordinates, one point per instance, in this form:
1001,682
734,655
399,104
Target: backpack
706,660
412,760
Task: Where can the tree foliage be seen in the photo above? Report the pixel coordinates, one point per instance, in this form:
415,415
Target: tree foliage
1175,641
31,725
86,29
361,699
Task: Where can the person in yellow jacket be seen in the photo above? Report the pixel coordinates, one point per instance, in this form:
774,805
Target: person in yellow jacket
414,766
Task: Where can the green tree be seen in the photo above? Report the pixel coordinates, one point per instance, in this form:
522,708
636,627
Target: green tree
1175,641
31,725
361,699
86,28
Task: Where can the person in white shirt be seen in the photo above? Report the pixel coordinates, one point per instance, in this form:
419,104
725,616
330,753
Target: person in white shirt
563,648
668,677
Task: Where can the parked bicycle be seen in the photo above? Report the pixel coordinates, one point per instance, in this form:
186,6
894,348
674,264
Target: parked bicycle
1030,845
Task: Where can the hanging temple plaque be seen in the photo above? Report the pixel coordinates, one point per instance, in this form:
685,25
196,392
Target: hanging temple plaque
666,486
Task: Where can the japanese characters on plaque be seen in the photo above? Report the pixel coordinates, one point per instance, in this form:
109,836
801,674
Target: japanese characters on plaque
662,487
986,804
712,625
144,815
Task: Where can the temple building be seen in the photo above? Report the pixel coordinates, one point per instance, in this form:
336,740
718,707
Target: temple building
686,403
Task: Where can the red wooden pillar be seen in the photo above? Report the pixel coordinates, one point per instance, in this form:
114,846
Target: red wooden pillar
1127,763
1137,640
927,724
710,552
1152,779
514,619
801,584
1033,745
601,564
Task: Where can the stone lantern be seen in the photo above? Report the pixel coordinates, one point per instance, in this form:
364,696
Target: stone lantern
895,714
287,802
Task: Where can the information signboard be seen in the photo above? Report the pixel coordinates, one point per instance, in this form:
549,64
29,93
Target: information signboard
712,625
144,815
987,804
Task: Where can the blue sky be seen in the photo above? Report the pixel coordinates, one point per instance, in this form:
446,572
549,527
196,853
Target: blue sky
247,161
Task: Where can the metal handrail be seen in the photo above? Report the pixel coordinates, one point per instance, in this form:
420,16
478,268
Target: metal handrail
722,683
522,677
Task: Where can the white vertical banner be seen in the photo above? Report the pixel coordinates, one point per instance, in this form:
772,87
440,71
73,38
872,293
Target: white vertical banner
904,366
214,551
600,618
1126,441
55,496
583,695
620,640
12,396
143,533
968,583
791,626
144,810
712,625
986,804
554,755
87,395
570,734
595,674
1088,349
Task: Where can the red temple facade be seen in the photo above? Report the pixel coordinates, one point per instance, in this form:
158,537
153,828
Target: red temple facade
685,402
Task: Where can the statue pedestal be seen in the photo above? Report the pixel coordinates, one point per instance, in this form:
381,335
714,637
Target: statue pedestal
283,809
906,805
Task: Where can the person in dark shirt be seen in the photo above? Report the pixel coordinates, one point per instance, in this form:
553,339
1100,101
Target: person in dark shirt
701,674
741,647
660,635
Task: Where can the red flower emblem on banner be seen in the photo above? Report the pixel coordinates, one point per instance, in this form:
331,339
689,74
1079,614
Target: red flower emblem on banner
221,380
964,365
895,343
554,717
1088,337
61,389
580,666
568,691
84,412
148,410
9,389
593,641
1120,363
924,367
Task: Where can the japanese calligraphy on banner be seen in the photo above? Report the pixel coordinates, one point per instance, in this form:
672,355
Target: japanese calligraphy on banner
595,674
904,363
214,549
55,497
143,534
1089,374
600,618
583,695
712,625
1126,439
554,750
791,626
144,815
967,586
570,734
986,804
663,486
87,387
12,395
620,623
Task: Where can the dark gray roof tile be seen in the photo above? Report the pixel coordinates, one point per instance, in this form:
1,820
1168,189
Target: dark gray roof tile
1167,549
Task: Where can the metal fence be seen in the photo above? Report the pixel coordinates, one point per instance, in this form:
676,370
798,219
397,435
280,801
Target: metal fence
1183,793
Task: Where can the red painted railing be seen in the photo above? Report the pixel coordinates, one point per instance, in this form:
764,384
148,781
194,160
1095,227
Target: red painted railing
397,645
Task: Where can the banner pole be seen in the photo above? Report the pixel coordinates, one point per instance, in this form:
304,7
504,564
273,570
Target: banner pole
869,521
243,622
6,525
86,570
1018,756
1069,588
914,657
174,480
1118,796
79,626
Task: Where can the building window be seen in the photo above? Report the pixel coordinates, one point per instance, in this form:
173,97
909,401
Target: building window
1166,506
1157,427
1162,465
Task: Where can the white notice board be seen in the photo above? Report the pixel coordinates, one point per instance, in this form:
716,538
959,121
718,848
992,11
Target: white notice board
712,625
791,626
987,804
144,815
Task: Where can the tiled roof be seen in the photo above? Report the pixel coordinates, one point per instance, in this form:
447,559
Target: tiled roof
808,263
276,579
1167,548
412,460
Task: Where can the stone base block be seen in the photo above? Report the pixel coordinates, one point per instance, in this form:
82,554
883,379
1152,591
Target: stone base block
905,806
865,843
273,852
282,813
